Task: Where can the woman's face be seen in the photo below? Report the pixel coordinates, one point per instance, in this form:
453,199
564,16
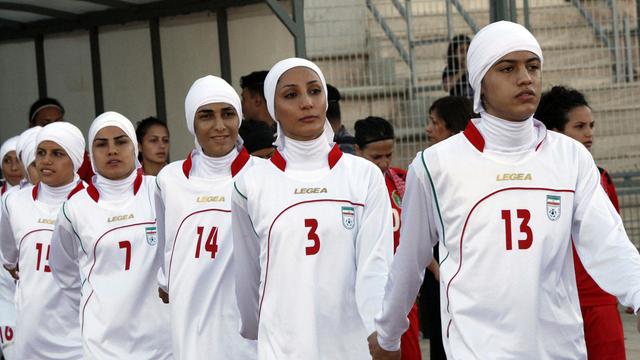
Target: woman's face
53,164
216,127
378,152
580,125
12,169
436,128
511,88
113,153
155,145
301,104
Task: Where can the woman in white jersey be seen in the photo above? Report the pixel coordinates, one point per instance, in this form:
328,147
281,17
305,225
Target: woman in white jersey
105,253
193,203
312,232
504,199
47,321
12,173
25,145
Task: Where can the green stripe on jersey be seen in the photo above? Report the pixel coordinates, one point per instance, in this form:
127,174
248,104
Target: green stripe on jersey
435,196
238,191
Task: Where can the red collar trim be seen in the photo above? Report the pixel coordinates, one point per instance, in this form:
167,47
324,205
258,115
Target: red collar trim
95,195
4,188
278,160
187,164
138,181
238,163
334,156
473,135
34,191
77,189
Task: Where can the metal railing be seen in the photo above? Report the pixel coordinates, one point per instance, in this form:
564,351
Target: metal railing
407,55
622,55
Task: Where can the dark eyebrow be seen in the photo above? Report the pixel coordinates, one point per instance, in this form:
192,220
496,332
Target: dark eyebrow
205,111
106,139
308,83
512,61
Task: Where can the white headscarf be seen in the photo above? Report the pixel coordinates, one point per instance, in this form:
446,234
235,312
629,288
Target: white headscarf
112,118
68,136
207,90
270,83
8,146
490,44
26,146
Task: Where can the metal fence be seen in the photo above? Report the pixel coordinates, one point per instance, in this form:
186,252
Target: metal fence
387,58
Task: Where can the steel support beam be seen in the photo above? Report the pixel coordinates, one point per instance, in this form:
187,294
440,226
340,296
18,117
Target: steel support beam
158,76
96,71
294,24
223,45
40,67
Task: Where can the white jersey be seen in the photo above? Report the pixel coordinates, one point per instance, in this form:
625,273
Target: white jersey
105,256
508,288
312,257
194,220
27,226
7,298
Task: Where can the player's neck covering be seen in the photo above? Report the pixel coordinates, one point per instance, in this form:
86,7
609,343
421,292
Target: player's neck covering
270,83
56,195
26,147
508,136
8,146
68,137
492,43
212,167
207,90
114,189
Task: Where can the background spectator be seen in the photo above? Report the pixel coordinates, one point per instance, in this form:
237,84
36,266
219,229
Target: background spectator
153,143
455,79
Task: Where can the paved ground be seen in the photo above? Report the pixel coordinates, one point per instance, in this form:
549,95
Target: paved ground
632,338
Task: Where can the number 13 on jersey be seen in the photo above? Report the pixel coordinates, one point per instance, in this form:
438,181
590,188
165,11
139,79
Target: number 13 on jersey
524,216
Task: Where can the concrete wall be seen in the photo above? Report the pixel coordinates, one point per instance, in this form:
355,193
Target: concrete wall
18,86
189,47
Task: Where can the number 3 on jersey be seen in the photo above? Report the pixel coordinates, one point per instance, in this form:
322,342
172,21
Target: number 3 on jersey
524,216
312,224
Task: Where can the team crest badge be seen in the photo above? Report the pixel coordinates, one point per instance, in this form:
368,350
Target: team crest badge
152,235
553,207
396,198
348,217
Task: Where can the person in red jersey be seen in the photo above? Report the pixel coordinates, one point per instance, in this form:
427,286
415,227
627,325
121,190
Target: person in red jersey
374,142
566,111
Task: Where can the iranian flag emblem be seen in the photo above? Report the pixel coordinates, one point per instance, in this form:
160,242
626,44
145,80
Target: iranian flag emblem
553,207
348,217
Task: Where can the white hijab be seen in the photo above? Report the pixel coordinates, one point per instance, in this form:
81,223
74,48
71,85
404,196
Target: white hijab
270,83
490,44
112,118
8,146
26,146
207,90
69,137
